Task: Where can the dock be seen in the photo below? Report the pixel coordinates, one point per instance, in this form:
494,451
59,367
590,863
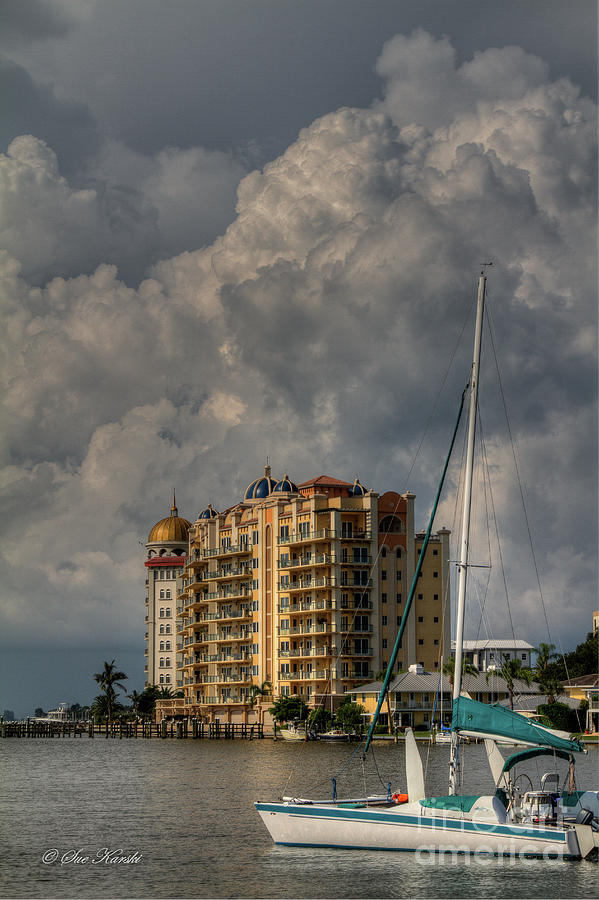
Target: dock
120,729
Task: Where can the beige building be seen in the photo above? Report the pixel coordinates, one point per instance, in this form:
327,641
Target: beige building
165,557
301,586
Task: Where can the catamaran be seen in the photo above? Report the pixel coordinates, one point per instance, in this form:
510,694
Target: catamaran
543,822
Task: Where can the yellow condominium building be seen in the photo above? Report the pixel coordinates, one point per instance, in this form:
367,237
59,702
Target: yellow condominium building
303,587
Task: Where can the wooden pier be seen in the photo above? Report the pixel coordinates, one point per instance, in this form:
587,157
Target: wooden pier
126,729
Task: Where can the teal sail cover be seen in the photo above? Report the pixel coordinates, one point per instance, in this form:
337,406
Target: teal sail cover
470,716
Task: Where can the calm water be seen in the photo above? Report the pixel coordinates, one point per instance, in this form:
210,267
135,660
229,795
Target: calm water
186,808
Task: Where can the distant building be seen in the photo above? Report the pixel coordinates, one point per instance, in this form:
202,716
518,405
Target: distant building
596,621
489,653
9,715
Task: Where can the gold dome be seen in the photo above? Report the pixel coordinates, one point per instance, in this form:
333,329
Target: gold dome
173,528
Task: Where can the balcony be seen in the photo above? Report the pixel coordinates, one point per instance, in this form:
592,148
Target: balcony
356,536
354,585
226,551
362,561
305,606
306,584
313,651
239,572
324,534
352,628
306,629
313,559
232,636
315,674
355,603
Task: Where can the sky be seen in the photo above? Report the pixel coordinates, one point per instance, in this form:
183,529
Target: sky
238,230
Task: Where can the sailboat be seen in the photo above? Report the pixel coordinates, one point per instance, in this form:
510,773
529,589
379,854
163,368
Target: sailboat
537,823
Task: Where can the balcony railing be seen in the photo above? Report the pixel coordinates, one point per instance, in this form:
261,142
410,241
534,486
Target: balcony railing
306,584
305,606
314,559
306,629
318,674
300,537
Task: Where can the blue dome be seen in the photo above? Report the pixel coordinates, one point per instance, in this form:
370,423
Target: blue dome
261,487
357,489
208,513
286,485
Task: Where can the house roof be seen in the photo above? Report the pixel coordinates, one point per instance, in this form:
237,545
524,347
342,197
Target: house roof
583,681
496,644
325,479
429,682
531,702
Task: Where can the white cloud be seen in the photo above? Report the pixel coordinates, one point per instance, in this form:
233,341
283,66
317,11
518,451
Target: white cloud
317,327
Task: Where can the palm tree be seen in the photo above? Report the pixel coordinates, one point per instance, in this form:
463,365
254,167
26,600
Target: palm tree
543,671
107,679
510,670
468,668
135,697
259,690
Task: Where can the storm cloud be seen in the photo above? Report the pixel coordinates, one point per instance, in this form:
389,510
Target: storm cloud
316,329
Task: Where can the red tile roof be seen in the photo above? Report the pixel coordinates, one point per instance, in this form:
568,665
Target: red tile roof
325,479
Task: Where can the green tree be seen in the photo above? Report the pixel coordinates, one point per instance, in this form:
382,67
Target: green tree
39,712
102,709
135,698
109,678
319,719
380,677
468,668
511,670
285,709
349,715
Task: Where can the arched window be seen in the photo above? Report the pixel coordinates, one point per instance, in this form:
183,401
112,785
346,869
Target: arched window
383,551
168,661
162,645
398,553
168,612
161,662
168,593
168,678
162,612
390,525
168,629
162,594
162,679
167,645
162,629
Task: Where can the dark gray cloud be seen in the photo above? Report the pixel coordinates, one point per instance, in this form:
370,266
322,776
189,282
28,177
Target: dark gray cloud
315,329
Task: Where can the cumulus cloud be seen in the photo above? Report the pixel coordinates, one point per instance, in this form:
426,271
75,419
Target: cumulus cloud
316,330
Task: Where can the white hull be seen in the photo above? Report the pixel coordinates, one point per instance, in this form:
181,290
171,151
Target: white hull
403,828
289,735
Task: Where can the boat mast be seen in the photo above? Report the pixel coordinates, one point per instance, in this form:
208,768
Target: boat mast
454,764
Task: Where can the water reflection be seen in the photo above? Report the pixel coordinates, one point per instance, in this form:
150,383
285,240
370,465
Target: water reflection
187,807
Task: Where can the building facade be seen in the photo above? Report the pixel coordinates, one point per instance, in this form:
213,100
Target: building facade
491,653
166,550
298,590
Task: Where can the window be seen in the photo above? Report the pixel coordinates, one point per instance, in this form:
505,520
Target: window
167,661
284,646
162,645
255,537
436,642
435,618
420,596
161,664
304,528
420,642
435,596
384,643
167,645
384,620
524,656
390,525
225,543
421,618
255,606
399,575
399,598
284,531
255,670
399,620
255,648
162,629
168,629
168,612
346,529
161,612
398,552
435,552
383,552
255,584
167,678
162,573
255,627
168,593
435,574
162,679
383,598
